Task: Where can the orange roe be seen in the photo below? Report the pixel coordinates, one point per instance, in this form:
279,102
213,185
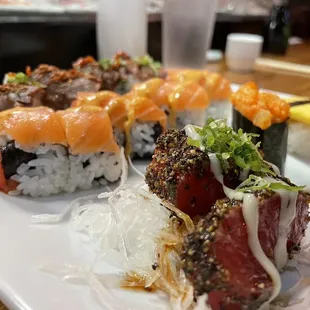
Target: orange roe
262,109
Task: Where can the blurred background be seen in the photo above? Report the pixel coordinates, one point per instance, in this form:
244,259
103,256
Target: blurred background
60,31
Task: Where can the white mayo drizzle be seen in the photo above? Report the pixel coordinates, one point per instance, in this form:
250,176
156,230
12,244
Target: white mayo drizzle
251,218
191,132
250,211
287,215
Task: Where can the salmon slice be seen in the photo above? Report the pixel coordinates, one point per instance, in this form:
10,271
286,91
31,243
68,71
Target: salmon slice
148,89
30,127
144,109
117,111
177,95
88,129
187,75
100,99
188,96
217,86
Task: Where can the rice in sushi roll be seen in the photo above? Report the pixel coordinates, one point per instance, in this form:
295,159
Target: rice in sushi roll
265,115
217,87
299,128
44,152
184,102
137,121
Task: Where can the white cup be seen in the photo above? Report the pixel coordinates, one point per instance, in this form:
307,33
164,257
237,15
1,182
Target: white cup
242,50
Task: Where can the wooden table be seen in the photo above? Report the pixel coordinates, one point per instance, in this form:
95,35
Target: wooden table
287,82
277,80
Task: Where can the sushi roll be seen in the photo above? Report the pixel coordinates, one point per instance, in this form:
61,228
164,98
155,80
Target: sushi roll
184,102
44,152
145,123
20,95
137,122
299,128
56,88
120,73
217,87
99,99
148,69
62,86
265,115
113,75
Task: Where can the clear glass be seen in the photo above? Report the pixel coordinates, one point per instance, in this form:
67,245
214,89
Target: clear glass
188,29
121,25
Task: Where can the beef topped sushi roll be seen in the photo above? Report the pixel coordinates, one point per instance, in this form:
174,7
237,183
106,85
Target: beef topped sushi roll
20,95
113,75
147,69
264,114
44,152
62,86
120,73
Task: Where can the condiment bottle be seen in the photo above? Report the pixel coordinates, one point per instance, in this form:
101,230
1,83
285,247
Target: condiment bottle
277,29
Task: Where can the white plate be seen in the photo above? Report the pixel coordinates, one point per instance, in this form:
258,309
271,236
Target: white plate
25,247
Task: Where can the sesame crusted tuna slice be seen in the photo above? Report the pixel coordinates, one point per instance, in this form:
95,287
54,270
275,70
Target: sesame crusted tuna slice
218,258
181,174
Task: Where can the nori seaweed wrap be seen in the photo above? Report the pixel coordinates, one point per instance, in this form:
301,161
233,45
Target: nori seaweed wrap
264,114
273,141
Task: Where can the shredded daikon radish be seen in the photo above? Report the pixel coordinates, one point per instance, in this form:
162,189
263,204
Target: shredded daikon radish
168,275
135,169
69,272
123,229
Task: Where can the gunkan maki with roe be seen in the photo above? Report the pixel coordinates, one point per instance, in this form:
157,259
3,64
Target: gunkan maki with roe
266,115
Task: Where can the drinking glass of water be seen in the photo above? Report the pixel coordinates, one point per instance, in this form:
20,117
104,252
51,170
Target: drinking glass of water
121,25
188,29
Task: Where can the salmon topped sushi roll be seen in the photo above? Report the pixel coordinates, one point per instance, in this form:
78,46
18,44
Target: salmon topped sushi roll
88,130
184,102
217,87
137,123
44,152
145,123
136,120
